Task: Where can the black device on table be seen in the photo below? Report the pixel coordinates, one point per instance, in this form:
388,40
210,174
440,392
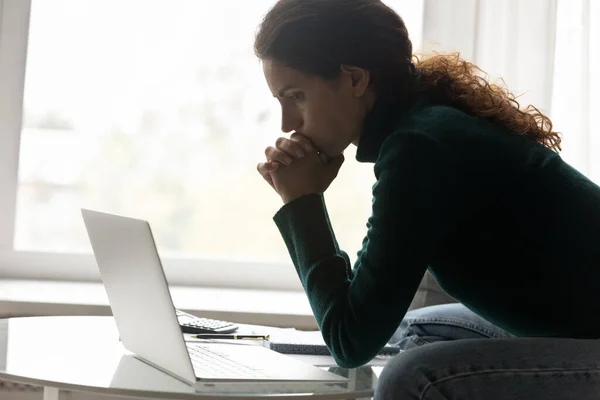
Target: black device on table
191,324
317,349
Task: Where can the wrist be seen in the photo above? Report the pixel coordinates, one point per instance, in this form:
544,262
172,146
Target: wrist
287,198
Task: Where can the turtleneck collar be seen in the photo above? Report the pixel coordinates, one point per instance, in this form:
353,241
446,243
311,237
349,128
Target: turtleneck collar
379,124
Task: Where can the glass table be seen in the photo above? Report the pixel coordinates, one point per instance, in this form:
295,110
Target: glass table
66,354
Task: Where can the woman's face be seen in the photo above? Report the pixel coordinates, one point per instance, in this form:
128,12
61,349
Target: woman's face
329,112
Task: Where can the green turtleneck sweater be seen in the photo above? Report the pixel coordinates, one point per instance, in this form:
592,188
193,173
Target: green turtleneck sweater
504,225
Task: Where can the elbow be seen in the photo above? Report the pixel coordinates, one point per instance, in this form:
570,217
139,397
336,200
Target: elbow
349,362
348,345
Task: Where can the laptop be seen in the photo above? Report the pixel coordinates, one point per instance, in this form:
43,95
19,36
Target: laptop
131,373
146,319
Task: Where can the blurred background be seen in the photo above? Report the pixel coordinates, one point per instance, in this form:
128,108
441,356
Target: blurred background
158,109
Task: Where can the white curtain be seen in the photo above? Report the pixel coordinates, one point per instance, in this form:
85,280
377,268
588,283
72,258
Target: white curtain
545,50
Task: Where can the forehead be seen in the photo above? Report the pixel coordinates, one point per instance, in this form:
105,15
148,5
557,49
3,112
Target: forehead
279,77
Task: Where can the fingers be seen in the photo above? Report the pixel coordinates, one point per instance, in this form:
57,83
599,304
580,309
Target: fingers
267,167
291,147
337,161
303,141
265,170
323,157
274,154
333,167
286,150
269,180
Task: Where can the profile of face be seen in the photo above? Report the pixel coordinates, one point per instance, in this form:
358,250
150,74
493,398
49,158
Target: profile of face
330,112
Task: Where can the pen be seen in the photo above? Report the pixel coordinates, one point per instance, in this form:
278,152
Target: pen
231,336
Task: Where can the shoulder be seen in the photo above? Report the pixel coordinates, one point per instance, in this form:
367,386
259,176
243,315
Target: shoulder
422,130
449,131
410,151
429,136
432,119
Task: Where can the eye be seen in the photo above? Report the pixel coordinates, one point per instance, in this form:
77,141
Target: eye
296,96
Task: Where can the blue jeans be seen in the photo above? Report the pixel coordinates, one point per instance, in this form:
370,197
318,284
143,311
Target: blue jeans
453,354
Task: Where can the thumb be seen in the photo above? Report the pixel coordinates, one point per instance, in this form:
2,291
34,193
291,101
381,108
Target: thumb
334,164
323,157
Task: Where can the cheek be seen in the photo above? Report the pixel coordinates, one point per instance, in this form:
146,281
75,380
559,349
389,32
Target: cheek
329,141
321,131
326,128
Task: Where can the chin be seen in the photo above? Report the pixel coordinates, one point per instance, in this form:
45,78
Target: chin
330,153
333,151
332,148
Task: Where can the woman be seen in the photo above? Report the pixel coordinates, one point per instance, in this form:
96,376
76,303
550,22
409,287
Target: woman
468,186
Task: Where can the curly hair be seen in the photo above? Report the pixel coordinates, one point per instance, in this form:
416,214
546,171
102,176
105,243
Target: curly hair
317,37
448,79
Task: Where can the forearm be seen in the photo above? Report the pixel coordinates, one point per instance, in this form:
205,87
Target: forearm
348,308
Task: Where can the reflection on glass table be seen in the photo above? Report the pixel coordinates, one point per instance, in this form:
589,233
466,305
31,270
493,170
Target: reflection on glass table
66,354
132,373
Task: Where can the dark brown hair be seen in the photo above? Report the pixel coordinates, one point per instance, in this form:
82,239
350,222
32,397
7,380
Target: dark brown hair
318,36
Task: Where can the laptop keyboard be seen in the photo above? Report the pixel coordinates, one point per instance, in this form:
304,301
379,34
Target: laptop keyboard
208,363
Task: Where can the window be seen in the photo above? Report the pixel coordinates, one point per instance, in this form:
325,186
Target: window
576,93
545,51
159,110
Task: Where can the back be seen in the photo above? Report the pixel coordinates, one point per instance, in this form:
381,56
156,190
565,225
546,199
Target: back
528,233
137,291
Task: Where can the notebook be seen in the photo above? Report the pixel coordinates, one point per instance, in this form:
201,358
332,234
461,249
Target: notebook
319,349
291,341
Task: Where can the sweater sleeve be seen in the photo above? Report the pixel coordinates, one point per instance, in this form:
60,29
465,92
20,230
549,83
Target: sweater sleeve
414,207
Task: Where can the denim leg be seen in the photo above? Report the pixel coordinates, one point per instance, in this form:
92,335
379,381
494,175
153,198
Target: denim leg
495,369
443,323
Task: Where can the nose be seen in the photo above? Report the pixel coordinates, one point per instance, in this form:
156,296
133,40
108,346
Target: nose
290,119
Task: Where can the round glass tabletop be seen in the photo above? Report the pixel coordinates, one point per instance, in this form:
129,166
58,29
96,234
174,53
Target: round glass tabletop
84,353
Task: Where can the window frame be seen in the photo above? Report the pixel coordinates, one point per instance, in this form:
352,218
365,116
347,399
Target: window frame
81,267
16,264
14,31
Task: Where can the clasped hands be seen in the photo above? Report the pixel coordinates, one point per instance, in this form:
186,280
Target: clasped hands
295,168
